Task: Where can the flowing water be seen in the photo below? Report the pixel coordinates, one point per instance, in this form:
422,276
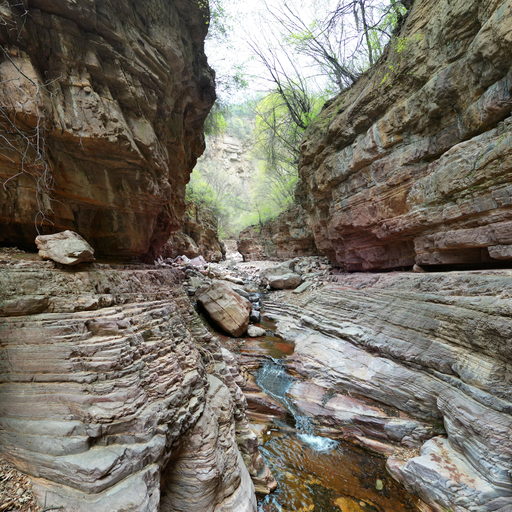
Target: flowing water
315,473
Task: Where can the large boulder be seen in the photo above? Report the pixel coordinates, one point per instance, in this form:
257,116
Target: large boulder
282,277
67,247
226,308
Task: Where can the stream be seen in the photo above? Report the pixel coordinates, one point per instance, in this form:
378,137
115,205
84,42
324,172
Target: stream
315,473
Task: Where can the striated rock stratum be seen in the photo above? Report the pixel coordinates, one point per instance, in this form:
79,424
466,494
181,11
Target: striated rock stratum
199,235
415,366
102,106
413,163
113,396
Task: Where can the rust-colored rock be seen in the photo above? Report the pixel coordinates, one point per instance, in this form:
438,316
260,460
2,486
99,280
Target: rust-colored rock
282,238
413,164
199,236
108,101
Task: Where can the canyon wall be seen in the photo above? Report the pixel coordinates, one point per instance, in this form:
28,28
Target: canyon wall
413,163
102,107
199,235
113,396
282,238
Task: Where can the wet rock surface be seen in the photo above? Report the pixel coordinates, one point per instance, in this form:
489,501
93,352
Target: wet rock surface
417,362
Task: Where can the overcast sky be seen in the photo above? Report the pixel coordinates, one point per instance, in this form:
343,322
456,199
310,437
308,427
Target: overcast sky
250,21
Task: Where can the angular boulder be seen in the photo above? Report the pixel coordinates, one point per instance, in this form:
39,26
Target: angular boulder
67,247
282,277
226,308
287,281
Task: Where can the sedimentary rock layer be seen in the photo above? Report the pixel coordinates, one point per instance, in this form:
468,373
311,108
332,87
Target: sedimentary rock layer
283,238
101,113
199,236
394,359
107,380
413,163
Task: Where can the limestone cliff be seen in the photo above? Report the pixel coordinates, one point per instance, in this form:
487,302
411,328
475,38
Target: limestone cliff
101,113
413,163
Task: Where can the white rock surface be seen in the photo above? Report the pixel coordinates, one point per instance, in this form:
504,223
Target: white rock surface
66,247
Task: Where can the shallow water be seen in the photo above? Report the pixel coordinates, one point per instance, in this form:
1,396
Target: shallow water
314,473
344,479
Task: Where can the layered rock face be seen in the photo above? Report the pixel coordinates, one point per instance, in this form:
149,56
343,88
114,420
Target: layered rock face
101,112
416,366
413,163
113,396
283,238
199,236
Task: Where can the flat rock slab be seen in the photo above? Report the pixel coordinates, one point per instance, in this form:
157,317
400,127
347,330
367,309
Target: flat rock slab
66,247
226,308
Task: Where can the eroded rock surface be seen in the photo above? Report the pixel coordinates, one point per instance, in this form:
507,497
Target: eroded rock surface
283,238
225,307
199,236
109,100
413,163
414,362
107,376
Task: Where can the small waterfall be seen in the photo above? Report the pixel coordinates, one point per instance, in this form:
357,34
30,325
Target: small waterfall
273,378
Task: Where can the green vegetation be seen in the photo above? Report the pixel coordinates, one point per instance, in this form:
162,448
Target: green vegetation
250,170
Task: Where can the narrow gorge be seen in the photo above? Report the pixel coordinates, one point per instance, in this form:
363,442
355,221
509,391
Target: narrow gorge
352,354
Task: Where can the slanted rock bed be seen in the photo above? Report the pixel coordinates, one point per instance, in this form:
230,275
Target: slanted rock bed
111,387
413,366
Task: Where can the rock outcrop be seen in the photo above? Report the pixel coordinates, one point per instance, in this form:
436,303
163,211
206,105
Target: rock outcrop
416,366
282,238
102,108
413,164
108,381
199,236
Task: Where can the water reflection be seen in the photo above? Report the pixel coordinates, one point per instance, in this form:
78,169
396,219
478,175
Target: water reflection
340,480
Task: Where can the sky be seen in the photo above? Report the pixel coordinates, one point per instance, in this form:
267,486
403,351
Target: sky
250,21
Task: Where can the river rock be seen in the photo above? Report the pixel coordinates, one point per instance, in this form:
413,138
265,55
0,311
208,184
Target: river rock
284,281
67,248
226,308
282,276
254,331
306,285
